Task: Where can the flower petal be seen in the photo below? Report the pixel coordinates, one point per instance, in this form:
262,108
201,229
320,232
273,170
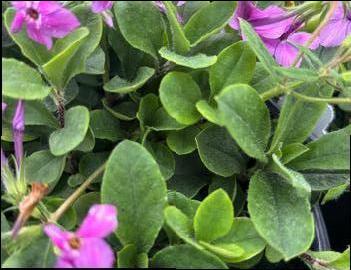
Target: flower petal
99,6
285,54
58,237
301,38
335,32
271,44
59,23
63,263
20,4
94,253
38,35
17,22
100,221
48,7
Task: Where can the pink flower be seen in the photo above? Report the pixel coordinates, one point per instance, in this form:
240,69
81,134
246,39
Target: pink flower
44,20
337,29
103,8
18,130
86,247
269,23
3,157
283,48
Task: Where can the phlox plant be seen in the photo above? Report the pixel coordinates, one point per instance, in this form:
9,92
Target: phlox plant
174,134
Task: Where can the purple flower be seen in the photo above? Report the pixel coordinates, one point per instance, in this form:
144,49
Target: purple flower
103,8
337,29
269,23
283,48
86,248
18,130
44,20
3,157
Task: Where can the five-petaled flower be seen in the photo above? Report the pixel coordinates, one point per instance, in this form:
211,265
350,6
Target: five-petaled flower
103,7
86,247
45,20
337,28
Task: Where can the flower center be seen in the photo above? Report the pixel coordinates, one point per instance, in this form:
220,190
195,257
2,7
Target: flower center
74,242
33,13
348,15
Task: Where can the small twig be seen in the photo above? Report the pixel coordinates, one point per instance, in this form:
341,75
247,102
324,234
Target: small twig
75,195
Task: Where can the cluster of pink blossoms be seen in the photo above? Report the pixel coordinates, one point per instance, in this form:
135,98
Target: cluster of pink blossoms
280,33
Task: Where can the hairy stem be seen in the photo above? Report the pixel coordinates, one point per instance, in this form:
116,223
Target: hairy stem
317,99
59,100
75,195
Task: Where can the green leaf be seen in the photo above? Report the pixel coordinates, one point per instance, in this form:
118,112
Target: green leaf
214,217
179,94
330,152
183,141
256,44
181,225
88,143
90,162
125,111
333,260
272,255
335,193
69,219
95,64
298,118
180,44
208,20
246,117
292,151
122,86
66,139
39,254
127,257
185,257
301,74
60,68
226,252
209,112
152,115
44,167
78,61
163,157
133,182
183,203
75,180
321,181
274,206
21,81
236,64
219,152
295,179
189,176
83,204
194,61
141,25
244,236
105,126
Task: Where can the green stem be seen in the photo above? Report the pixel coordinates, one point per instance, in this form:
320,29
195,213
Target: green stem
276,91
316,99
75,195
60,104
